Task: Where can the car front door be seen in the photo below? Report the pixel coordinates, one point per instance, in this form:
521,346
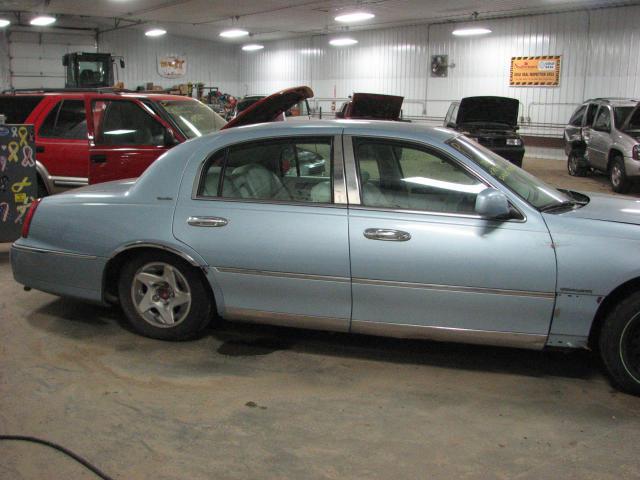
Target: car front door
270,221
598,144
62,145
424,264
125,137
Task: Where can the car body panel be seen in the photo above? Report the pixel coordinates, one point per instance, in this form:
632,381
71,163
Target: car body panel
488,110
372,106
258,272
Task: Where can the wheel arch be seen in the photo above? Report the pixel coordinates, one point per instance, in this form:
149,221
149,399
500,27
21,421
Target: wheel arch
121,255
43,173
607,304
613,153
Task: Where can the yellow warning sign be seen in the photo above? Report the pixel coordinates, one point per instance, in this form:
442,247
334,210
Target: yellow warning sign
541,71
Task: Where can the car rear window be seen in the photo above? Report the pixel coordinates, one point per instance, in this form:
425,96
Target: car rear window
17,109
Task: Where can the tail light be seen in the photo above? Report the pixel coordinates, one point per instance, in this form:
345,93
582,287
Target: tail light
636,152
26,225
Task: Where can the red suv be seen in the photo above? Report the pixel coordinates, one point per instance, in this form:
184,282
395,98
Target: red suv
90,137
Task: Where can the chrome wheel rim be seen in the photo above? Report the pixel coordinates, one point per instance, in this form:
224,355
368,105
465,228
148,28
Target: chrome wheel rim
616,175
573,164
161,295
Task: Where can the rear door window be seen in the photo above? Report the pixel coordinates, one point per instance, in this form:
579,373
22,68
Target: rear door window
67,120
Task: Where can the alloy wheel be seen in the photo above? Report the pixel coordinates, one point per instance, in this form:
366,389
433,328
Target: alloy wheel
161,295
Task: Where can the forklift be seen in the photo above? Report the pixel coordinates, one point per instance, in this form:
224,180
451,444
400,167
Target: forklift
90,70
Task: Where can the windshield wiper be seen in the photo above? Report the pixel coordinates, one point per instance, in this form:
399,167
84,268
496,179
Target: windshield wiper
561,205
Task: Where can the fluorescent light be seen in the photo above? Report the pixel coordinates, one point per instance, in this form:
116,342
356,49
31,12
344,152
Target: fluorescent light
344,41
466,32
354,17
4,22
234,33
42,21
155,32
252,47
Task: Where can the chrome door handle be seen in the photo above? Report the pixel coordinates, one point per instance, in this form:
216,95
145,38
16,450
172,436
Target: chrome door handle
207,221
387,235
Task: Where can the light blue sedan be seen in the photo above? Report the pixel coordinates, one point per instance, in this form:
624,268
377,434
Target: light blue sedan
405,231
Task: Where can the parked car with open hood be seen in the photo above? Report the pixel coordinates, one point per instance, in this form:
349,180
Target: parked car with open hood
372,106
603,134
407,231
492,122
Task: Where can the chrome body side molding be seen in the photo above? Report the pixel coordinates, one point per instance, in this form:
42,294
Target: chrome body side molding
267,273
287,320
453,288
47,251
447,334
69,182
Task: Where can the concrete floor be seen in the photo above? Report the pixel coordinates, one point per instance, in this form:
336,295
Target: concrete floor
250,402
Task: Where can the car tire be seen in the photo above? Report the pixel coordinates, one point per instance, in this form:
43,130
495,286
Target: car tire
618,176
620,344
574,167
164,297
42,189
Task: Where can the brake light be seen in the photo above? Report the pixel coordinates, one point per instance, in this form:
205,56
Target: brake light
26,225
635,153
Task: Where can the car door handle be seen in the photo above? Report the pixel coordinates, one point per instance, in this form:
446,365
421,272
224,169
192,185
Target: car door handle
98,158
39,148
387,235
207,221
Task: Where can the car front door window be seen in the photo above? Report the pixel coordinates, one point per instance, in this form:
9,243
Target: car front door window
124,123
414,178
603,120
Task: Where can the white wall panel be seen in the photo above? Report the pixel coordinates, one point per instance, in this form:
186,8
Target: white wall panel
598,48
214,64
36,58
4,61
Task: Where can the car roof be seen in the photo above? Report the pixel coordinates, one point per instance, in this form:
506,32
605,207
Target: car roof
81,93
379,128
614,101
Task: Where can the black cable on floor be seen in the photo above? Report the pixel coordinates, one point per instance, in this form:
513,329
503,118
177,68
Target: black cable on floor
60,448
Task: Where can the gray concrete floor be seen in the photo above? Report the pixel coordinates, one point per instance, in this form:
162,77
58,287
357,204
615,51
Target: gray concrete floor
250,402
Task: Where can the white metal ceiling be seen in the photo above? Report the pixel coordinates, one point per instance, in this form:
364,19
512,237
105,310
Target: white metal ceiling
271,19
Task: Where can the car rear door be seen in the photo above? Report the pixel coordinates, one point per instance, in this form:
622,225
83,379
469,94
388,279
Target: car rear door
423,263
270,218
61,141
125,137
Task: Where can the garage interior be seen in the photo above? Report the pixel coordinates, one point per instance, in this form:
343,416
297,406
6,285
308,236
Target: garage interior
248,401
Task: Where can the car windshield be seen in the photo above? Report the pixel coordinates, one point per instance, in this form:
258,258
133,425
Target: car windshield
634,121
621,114
523,184
194,118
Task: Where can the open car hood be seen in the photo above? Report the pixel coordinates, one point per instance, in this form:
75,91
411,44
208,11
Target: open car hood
488,110
374,106
270,108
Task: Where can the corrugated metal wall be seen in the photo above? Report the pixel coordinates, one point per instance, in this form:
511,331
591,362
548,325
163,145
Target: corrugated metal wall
598,47
214,64
4,60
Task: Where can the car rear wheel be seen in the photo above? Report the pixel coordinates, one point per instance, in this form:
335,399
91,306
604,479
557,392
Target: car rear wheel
164,297
620,344
618,177
575,165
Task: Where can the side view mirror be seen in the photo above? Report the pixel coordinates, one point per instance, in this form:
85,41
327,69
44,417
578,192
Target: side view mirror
169,139
339,115
491,203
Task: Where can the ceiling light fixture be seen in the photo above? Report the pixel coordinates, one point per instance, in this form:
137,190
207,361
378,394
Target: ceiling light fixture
155,32
234,33
42,21
4,22
354,17
343,41
467,32
252,47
